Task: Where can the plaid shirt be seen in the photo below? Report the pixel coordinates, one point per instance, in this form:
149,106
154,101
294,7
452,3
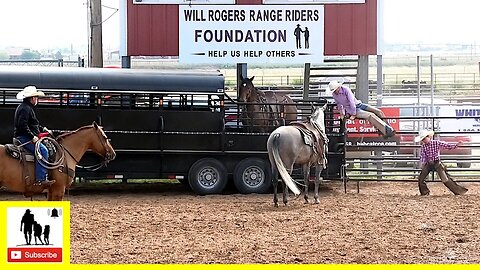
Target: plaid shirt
430,152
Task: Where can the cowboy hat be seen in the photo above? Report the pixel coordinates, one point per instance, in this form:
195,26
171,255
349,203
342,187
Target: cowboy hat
422,134
333,85
30,91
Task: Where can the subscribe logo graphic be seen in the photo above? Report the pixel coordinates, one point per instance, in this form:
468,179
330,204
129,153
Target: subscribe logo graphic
34,235
16,255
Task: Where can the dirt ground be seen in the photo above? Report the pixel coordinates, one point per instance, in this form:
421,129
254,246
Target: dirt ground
384,223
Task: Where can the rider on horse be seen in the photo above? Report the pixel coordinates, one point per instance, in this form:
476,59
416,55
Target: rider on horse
27,130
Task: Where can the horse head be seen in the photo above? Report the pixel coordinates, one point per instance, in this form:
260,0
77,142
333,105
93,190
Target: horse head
101,145
318,115
246,89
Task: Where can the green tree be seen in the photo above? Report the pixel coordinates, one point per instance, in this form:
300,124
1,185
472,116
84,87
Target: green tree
30,55
58,55
3,56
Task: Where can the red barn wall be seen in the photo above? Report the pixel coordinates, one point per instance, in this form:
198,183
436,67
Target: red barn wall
350,29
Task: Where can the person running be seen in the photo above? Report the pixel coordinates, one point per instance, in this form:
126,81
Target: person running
430,160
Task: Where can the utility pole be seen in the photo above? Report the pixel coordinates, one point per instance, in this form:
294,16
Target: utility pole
96,47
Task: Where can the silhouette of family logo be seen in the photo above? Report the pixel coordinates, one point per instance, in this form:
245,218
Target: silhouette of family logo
28,225
298,34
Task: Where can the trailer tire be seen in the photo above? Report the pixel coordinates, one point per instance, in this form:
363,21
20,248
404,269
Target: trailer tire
252,175
207,176
464,164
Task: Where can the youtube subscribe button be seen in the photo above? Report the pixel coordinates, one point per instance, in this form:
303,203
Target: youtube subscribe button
34,255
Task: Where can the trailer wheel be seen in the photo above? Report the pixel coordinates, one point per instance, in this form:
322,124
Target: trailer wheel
207,176
252,175
464,164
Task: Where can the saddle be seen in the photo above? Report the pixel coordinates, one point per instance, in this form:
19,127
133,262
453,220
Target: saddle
19,153
24,156
315,138
14,150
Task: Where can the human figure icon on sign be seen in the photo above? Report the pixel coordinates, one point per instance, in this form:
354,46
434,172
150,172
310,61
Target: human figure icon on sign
37,232
306,34
46,235
298,32
27,224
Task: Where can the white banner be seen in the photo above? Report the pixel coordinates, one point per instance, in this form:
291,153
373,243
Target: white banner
464,118
184,2
251,34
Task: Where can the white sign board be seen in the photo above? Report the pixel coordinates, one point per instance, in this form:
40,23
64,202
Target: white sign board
232,2
251,34
463,118
293,2
184,2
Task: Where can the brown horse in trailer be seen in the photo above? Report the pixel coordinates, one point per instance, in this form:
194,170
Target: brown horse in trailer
265,110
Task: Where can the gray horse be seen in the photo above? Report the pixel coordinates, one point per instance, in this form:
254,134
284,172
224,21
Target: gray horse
297,144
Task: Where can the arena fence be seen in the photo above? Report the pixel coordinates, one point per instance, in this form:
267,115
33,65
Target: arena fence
370,157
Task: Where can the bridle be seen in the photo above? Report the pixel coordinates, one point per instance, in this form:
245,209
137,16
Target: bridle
109,156
247,90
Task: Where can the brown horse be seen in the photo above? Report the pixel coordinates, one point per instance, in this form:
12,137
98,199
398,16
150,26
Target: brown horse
265,110
74,144
287,145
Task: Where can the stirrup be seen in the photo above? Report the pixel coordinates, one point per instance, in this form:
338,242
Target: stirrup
44,183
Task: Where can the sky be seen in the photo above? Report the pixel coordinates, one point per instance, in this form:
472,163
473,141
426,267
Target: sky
40,24
54,23
431,21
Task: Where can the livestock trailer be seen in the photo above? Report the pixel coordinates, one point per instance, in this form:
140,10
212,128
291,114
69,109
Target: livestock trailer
163,124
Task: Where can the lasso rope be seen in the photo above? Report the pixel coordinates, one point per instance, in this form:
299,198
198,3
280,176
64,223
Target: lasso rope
45,163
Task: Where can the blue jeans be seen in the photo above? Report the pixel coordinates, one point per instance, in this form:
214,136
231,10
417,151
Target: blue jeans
40,171
374,116
362,106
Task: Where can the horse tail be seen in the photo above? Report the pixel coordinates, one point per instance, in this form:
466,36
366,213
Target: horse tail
287,179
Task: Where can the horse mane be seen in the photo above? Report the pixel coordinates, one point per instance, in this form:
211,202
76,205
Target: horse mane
66,134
